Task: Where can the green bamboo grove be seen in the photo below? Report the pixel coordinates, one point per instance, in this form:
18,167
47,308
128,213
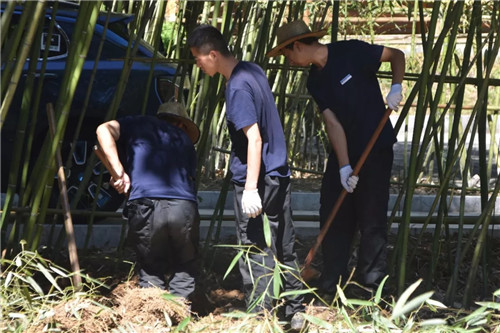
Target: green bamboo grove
452,99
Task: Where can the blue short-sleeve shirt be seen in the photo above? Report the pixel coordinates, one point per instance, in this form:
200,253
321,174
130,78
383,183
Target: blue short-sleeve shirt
348,86
249,100
159,158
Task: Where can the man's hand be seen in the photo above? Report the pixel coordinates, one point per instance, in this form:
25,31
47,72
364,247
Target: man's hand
348,181
121,185
394,97
251,203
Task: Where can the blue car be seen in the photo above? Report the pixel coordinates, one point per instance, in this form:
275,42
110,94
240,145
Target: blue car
109,68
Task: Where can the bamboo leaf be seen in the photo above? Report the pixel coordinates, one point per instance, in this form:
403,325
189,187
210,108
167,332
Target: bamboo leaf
296,292
436,304
277,284
58,271
341,294
48,276
348,319
404,297
267,230
378,294
354,301
34,285
183,324
491,305
433,322
233,263
10,275
411,305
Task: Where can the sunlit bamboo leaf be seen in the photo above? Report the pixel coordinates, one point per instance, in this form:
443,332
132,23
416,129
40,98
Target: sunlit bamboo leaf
8,279
404,297
296,292
34,285
48,276
58,271
267,230
411,305
341,294
361,302
436,304
490,305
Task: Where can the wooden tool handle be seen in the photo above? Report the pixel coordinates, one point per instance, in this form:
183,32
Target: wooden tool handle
340,199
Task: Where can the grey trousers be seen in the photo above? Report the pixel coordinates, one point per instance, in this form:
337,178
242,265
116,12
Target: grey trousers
165,235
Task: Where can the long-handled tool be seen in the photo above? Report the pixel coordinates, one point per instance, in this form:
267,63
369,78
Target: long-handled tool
306,271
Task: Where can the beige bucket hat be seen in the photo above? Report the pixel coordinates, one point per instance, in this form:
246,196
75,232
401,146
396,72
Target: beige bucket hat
176,111
291,32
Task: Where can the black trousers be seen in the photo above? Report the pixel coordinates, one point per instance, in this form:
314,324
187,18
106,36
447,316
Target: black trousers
365,210
165,235
257,271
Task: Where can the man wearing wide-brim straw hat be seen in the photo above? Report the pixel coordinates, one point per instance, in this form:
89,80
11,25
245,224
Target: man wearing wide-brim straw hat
155,160
291,32
342,80
176,114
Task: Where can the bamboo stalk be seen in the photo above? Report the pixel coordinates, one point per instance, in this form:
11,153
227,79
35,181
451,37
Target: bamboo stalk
86,20
68,221
23,55
403,234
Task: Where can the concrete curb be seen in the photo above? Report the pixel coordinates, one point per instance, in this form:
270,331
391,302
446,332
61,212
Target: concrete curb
106,234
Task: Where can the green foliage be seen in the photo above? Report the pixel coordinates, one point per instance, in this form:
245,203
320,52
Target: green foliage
408,313
168,34
31,287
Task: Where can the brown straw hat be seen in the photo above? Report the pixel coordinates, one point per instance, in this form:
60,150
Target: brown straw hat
291,32
176,111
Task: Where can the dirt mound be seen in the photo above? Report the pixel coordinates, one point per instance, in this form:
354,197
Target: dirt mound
128,306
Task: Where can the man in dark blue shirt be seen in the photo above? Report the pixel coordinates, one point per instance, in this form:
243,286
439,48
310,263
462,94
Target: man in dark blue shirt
156,163
342,80
261,176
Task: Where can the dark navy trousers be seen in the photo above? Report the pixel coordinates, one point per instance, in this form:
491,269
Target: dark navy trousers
365,210
165,235
258,267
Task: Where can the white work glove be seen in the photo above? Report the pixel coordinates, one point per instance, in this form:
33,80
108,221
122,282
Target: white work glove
348,181
394,96
251,203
